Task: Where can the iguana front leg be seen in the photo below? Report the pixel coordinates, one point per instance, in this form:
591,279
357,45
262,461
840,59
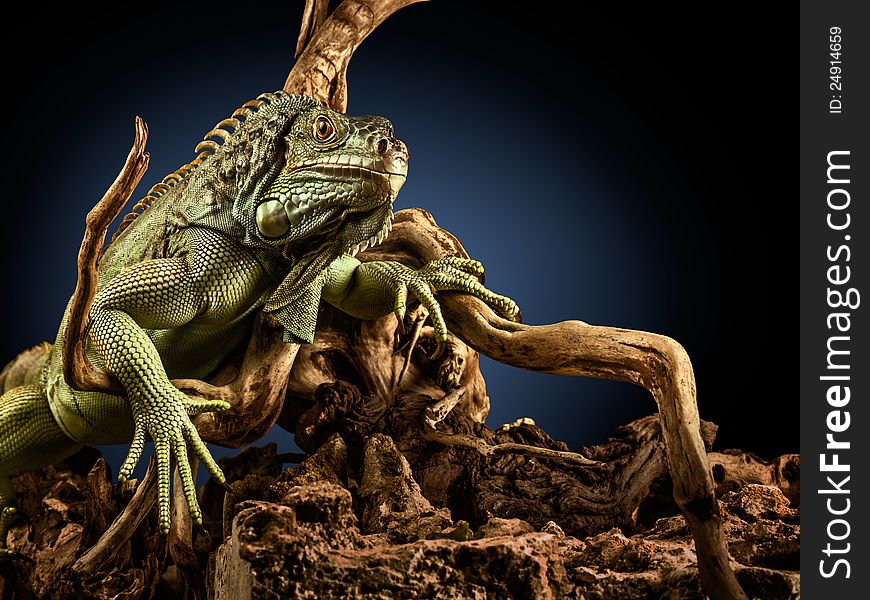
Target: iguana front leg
372,289
158,294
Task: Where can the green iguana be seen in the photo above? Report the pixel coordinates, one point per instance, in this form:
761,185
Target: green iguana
269,220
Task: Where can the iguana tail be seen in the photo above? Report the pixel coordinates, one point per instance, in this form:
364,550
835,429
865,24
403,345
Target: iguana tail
29,439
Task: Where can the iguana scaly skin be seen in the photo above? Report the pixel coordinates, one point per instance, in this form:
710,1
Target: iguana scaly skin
270,221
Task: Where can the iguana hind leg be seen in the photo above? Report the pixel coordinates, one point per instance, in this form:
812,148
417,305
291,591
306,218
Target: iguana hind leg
29,439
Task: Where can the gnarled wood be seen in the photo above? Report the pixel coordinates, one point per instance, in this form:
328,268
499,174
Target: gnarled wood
321,69
655,362
77,370
256,392
122,528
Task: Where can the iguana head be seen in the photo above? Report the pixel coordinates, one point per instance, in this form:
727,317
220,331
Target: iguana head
339,178
303,182
333,194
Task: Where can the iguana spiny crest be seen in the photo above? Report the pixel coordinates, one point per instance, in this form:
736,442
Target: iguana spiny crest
322,153
296,182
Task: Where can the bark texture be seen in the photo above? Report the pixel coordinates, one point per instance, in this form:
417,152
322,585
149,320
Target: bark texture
351,521
326,45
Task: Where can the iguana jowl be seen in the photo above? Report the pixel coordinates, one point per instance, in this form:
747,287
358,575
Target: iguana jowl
270,221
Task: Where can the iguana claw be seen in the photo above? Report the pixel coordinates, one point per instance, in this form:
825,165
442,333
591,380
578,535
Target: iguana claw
171,430
445,274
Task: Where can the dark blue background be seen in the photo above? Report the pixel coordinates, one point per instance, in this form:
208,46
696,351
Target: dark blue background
619,166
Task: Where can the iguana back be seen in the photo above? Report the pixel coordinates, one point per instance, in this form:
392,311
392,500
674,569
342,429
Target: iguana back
220,174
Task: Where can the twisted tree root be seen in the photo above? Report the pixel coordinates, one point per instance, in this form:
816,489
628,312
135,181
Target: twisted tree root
655,362
77,370
438,411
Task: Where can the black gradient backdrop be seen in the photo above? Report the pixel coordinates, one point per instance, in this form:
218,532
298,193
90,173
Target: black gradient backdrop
620,165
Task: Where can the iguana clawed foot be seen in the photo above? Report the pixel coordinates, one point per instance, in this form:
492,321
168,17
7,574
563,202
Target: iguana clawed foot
446,274
166,421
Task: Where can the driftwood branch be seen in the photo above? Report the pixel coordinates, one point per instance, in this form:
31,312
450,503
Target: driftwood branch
313,17
77,370
256,391
321,68
123,527
655,362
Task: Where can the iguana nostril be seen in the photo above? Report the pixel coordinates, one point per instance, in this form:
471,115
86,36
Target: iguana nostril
382,146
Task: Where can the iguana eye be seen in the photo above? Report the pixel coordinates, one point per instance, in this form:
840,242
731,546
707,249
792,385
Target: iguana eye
323,129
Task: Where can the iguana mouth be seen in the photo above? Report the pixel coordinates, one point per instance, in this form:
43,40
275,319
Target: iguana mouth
313,197
350,166
380,175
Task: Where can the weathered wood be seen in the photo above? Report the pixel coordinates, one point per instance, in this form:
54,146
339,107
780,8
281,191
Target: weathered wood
321,68
657,363
256,389
313,17
77,370
64,509
122,528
